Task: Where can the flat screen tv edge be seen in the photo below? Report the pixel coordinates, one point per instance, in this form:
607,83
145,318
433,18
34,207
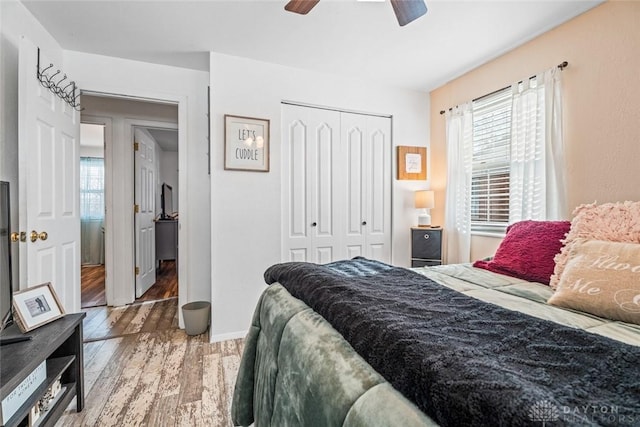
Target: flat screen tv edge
6,290
9,332
166,200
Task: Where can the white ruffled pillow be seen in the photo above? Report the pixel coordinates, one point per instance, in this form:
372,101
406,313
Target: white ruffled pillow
612,222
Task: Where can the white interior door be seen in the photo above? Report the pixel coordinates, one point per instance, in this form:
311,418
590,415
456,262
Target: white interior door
49,180
145,234
311,190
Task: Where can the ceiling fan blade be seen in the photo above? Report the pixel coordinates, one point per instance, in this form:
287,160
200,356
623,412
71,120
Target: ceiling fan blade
300,6
408,10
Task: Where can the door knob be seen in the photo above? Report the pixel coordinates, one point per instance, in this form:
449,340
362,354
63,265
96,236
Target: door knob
313,224
21,236
34,235
364,222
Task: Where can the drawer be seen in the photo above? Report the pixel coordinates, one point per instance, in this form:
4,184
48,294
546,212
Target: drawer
424,262
426,244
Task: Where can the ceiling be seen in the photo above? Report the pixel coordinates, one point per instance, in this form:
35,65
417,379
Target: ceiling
347,37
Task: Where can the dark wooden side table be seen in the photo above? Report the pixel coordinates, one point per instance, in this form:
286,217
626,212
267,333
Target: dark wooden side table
60,344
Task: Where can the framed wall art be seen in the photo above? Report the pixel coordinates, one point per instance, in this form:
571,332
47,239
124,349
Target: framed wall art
36,306
412,162
246,144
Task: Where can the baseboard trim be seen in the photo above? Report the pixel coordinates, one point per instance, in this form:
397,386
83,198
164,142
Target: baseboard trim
228,336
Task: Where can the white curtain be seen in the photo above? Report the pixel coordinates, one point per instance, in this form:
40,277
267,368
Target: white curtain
536,188
556,200
92,210
458,197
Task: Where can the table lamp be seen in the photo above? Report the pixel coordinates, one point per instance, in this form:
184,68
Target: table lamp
424,201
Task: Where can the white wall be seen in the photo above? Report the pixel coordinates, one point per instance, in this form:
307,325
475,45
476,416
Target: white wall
16,21
92,140
245,211
601,111
189,88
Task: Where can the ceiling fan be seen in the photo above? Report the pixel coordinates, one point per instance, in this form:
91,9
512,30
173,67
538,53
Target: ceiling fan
405,10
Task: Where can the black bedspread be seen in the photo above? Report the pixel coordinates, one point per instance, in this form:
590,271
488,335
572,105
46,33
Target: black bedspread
466,362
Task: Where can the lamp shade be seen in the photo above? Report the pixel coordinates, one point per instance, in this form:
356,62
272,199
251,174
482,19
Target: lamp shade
424,199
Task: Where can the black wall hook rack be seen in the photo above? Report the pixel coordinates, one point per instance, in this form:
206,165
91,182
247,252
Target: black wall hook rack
58,85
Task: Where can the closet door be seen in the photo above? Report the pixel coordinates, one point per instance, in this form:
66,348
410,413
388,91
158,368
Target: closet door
377,178
311,191
367,143
354,140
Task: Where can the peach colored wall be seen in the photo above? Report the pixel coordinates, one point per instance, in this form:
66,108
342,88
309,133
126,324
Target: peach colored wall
601,104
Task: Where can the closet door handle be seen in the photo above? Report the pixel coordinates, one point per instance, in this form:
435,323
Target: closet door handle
313,224
364,222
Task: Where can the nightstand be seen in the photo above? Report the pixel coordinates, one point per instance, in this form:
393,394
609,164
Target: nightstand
426,246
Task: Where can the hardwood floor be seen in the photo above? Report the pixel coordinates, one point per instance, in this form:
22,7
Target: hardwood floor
153,374
92,283
112,322
92,279
166,283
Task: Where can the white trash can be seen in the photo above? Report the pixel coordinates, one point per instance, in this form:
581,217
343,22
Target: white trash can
196,317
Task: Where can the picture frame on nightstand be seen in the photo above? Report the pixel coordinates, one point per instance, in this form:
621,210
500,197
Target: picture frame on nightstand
36,306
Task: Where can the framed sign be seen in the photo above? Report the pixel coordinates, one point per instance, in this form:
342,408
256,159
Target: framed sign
36,306
246,144
412,162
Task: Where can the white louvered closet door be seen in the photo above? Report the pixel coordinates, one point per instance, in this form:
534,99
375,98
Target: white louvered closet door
336,185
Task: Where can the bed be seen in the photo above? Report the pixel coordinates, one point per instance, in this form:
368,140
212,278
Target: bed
486,349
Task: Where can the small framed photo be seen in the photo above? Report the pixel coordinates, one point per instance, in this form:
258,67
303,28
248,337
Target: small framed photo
412,162
36,306
246,144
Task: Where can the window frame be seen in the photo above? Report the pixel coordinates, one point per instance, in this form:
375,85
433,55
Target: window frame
491,140
92,193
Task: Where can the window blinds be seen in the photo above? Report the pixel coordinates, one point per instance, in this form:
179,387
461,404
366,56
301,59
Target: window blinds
491,160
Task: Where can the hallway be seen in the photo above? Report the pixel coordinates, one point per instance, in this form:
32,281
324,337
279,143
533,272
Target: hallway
93,294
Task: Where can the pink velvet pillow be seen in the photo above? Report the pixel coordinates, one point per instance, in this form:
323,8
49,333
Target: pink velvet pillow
611,222
528,249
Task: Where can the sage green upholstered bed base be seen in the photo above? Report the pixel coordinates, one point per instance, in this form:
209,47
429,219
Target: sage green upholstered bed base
297,370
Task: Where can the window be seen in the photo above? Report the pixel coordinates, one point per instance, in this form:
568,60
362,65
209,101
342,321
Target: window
490,162
91,188
505,161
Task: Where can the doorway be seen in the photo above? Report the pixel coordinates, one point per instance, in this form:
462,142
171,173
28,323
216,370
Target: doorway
157,212
127,122
92,210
